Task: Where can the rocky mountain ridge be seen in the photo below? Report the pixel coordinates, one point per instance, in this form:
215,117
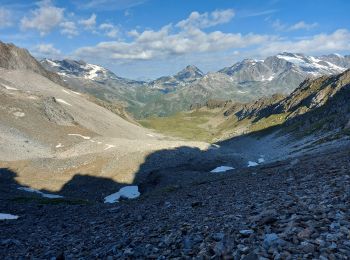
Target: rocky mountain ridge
317,105
244,81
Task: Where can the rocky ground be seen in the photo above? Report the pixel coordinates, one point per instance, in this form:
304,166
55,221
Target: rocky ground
293,209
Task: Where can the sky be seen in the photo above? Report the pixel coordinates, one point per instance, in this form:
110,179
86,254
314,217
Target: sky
146,39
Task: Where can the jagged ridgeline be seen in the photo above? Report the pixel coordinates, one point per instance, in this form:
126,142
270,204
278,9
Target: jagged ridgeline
316,105
245,81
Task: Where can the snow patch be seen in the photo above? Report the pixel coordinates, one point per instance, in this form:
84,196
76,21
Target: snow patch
261,160
109,146
93,71
65,91
222,169
62,74
63,101
19,114
312,65
150,135
45,195
267,79
59,145
214,147
4,216
128,192
252,164
53,64
82,136
77,93
8,87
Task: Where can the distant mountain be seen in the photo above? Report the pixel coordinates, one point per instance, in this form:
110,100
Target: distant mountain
15,58
242,82
337,59
283,68
186,76
109,89
80,69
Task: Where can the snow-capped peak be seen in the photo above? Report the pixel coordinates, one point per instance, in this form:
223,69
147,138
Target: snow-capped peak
51,62
310,65
81,69
93,71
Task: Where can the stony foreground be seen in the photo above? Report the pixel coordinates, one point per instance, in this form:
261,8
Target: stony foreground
296,209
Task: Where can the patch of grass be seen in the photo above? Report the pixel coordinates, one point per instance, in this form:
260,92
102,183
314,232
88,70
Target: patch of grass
196,125
47,201
183,125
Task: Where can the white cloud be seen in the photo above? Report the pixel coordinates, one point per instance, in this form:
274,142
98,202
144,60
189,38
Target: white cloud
5,17
103,5
168,41
205,20
279,26
259,13
302,25
44,18
69,28
46,50
89,24
151,44
106,26
109,30
113,33
339,40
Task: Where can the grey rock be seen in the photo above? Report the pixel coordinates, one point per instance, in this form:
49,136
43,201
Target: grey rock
246,232
218,236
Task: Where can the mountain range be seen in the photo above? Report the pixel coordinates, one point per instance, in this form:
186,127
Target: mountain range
242,82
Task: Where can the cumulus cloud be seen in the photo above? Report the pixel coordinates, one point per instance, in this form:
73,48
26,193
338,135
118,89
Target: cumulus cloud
339,40
205,20
44,18
278,25
5,17
69,28
151,44
168,41
109,30
46,50
103,5
90,23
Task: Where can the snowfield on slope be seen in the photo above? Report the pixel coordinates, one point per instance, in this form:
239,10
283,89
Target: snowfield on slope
222,169
128,192
44,195
4,216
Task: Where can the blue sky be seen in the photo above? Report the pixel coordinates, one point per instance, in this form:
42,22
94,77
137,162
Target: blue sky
151,38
